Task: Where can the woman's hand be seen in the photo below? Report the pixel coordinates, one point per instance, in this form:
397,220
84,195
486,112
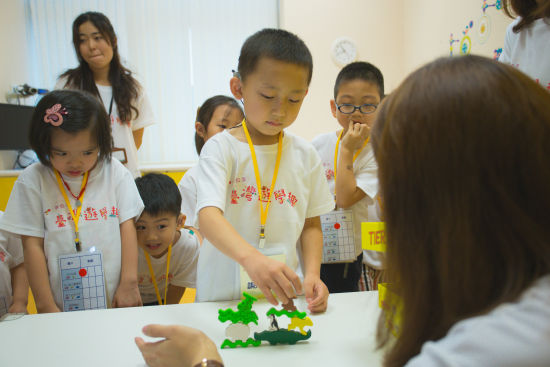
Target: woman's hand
182,346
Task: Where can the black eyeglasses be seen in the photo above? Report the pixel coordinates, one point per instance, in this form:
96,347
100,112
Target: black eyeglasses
348,108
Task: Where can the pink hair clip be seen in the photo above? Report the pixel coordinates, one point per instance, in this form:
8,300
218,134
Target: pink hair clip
53,115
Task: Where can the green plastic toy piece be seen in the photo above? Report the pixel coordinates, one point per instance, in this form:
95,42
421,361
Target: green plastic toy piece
281,336
298,314
239,343
245,313
244,316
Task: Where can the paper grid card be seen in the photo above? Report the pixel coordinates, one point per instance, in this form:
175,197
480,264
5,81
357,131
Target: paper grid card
82,281
338,245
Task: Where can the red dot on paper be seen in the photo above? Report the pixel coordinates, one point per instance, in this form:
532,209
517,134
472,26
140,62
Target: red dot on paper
336,225
82,272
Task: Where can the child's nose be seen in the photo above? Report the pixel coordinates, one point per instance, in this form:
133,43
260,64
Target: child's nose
151,235
75,160
279,109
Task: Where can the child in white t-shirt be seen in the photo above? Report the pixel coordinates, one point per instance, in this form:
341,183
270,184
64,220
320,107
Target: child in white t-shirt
14,287
75,209
214,116
351,172
168,254
262,189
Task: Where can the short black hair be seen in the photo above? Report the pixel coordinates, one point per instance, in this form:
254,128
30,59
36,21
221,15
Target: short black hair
159,193
205,112
277,44
82,111
360,70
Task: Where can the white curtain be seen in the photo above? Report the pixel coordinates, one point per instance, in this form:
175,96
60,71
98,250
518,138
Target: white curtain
181,51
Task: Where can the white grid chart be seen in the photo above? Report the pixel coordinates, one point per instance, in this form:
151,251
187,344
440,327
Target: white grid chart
82,282
338,245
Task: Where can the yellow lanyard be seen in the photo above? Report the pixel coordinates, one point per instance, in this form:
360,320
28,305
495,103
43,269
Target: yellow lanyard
336,152
264,211
152,272
80,200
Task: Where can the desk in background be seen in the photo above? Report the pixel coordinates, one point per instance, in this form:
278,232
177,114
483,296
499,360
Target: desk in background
343,336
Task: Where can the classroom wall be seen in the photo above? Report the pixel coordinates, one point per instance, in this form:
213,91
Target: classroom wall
428,23
14,62
398,36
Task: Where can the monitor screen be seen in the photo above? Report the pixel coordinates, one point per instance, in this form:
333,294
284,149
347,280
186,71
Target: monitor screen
15,121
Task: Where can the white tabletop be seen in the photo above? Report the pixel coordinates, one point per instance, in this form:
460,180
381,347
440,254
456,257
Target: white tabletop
343,336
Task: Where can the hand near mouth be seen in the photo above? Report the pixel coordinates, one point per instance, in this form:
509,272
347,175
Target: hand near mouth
355,136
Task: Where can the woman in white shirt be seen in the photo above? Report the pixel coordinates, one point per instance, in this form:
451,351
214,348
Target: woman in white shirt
101,73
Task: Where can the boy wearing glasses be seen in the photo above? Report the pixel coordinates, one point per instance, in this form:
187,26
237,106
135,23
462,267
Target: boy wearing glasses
351,172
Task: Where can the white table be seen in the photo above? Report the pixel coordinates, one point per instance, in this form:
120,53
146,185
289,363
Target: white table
343,336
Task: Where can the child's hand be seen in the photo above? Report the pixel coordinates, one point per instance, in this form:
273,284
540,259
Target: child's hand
316,294
127,295
18,307
272,276
355,136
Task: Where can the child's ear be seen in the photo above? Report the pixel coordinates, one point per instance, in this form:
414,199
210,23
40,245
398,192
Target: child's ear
200,129
333,107
180,221
235,84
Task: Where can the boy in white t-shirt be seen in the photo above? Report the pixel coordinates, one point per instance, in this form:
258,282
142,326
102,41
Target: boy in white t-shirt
14,286
347,155
262,189
168,254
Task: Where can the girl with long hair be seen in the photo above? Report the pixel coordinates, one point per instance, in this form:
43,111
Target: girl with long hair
101,73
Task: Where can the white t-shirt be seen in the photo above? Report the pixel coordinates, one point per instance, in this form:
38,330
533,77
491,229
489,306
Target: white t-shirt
37,208
182,272
227,181
11,255
188,190
529,50
365,171
513,334
123,132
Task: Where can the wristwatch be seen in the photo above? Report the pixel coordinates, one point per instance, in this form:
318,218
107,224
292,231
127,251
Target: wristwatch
209,363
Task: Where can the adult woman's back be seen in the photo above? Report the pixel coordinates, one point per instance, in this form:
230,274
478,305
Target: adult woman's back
464,170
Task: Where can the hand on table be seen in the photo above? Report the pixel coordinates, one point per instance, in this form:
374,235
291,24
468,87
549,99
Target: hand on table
182,346
316,294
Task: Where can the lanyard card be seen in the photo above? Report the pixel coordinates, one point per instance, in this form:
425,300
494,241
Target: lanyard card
82,281
248,286
338,236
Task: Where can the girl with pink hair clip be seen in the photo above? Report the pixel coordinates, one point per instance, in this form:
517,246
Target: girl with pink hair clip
75,209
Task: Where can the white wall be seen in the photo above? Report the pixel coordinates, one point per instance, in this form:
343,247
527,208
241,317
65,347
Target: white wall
13,63
428,24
